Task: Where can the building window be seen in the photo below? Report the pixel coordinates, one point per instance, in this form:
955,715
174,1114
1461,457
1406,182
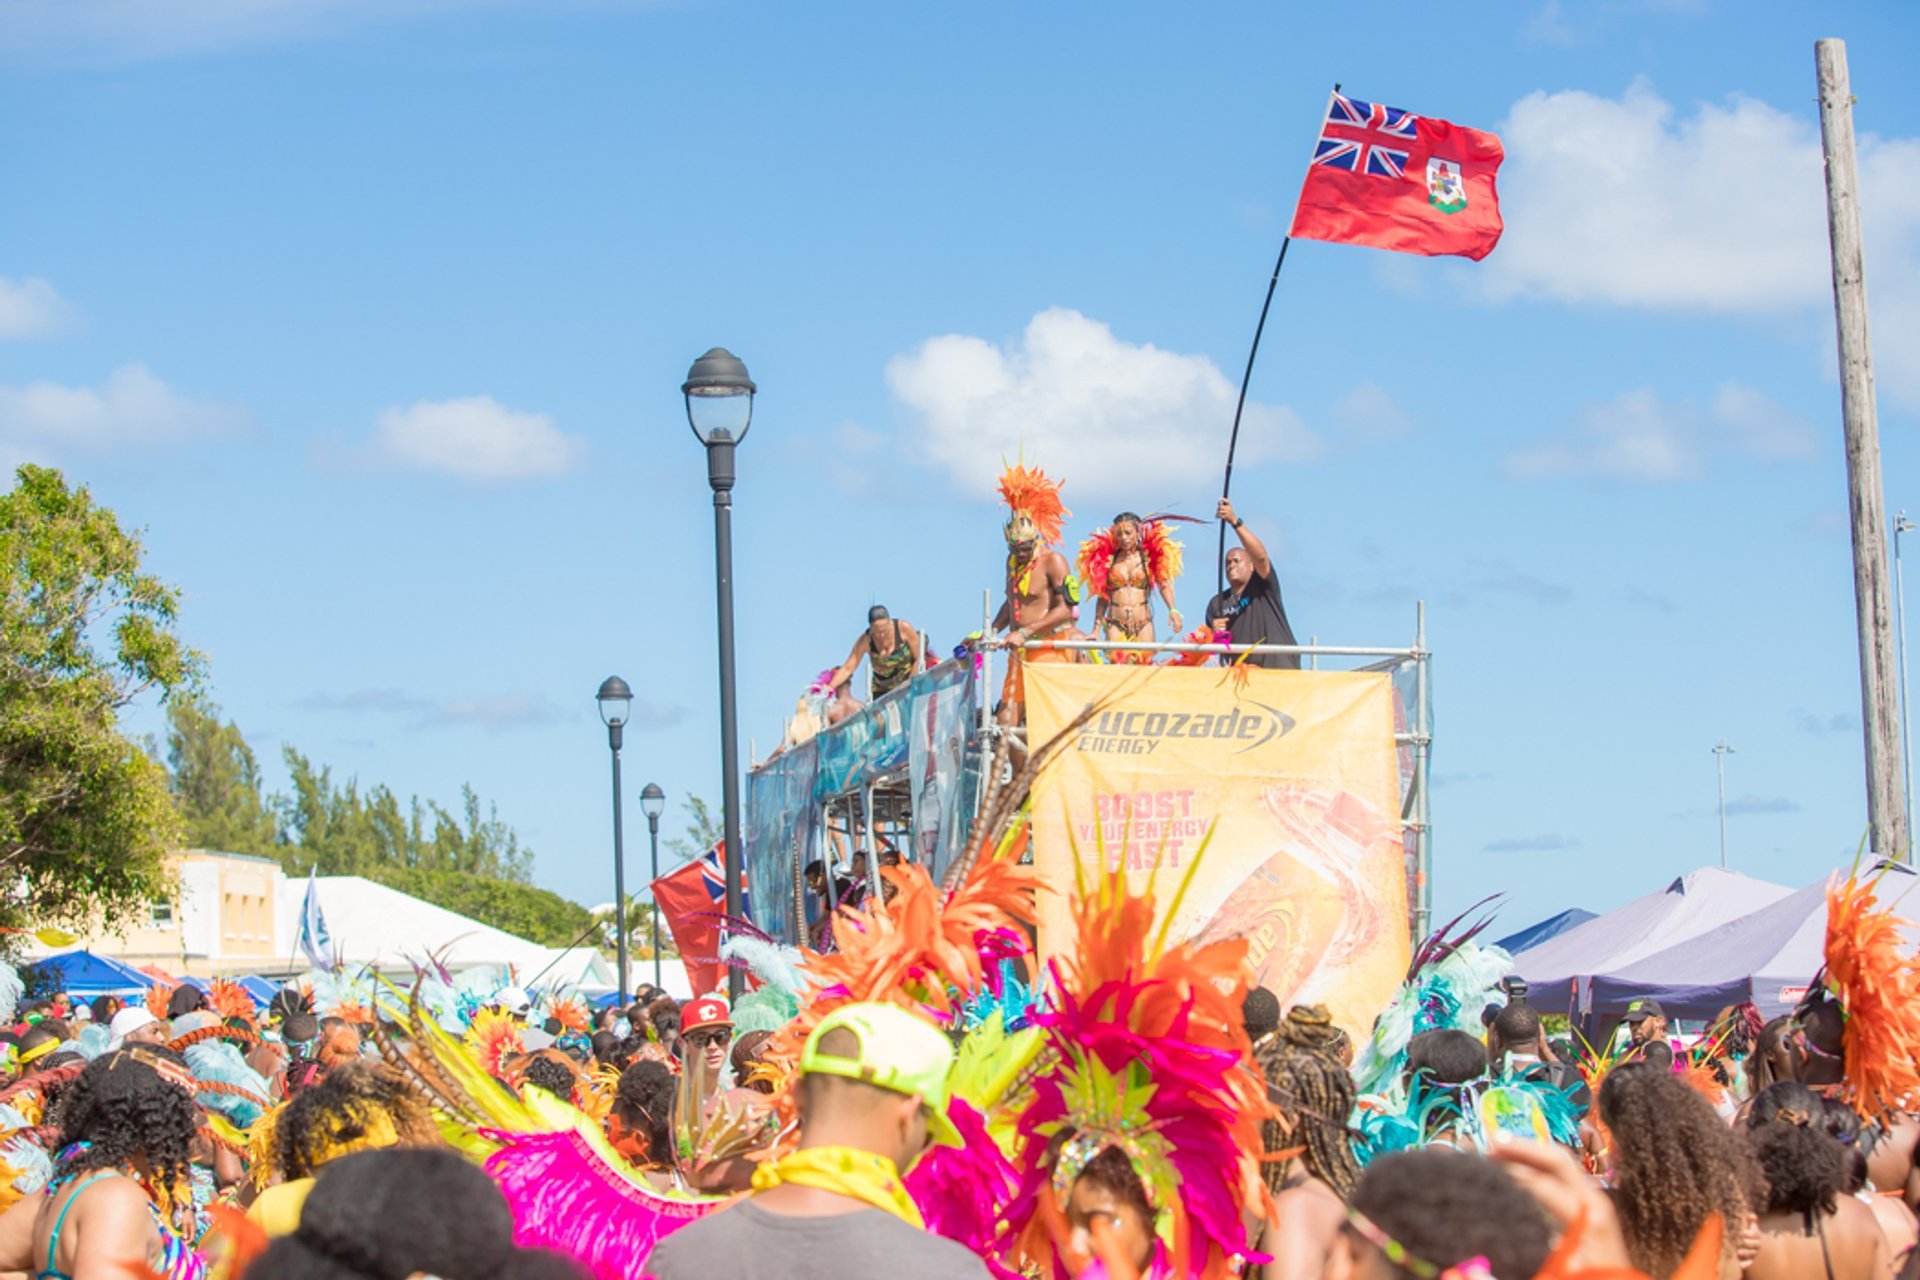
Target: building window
160,914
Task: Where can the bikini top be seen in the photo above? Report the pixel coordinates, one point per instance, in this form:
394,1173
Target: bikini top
178,1260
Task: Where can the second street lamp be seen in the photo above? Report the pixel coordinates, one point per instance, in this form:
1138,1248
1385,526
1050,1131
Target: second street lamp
616,701
720,409
653,802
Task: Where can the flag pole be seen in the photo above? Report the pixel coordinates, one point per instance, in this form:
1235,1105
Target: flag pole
1246,378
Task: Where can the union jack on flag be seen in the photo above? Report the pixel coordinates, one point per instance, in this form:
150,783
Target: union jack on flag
713,878
1365,137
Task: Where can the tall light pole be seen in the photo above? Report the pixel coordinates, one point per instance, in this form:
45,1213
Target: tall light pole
1903,525
653,801
616,700
1720,753
720,410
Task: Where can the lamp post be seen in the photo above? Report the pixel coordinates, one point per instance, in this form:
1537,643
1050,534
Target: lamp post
1903,525
1720,753
653,801
720,410
616,700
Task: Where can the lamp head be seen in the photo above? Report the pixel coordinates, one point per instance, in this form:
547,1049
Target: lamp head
616,701
719,396
653,801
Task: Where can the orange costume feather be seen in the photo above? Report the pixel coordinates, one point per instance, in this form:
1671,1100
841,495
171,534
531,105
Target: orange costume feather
911,951
571,1013
159,996
1878,983
230,1000
1028,492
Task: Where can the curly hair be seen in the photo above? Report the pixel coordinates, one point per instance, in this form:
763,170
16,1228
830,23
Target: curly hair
1802,1166
1306,1080
1446,1206
644,1102
543,1072
1675,1164
354,1105
124,1108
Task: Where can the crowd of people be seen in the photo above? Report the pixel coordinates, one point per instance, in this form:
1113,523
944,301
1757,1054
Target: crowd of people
932,1099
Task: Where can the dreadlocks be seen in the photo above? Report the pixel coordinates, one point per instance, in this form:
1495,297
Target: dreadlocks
1305,1078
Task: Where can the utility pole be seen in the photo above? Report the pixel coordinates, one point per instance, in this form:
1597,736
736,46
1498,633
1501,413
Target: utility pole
1903,525
1879,717
1720,753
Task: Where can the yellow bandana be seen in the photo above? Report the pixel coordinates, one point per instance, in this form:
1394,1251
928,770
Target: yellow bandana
858,1175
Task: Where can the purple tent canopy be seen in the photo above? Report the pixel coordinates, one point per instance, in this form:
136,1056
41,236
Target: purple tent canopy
1769,956
1558,970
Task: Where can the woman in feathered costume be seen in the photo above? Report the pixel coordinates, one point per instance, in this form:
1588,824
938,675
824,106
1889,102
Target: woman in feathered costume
1122,566
1139,1135
1858,1030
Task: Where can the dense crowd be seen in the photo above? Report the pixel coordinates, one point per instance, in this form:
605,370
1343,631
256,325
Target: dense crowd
930,1100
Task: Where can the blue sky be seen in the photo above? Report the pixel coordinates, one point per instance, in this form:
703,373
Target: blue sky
375,315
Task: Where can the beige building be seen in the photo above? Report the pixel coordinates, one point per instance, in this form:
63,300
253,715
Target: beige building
224,921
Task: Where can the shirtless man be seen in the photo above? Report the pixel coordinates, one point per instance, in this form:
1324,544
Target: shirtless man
891,647
1039,603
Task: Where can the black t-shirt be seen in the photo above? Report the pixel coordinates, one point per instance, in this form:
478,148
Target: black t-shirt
1257,616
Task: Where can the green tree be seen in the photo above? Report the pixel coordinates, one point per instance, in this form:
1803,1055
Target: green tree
86,818
216,781
703,830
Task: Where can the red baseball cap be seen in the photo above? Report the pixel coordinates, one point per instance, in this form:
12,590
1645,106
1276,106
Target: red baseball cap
707,1011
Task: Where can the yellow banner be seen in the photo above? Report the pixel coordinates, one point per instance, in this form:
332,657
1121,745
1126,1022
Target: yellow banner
1296,774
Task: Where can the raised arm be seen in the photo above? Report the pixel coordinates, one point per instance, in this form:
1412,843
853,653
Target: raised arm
1256,549
844,672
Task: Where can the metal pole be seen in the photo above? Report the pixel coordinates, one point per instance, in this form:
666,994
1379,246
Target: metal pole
615,733
1720,752
1423,863
720,477
653,838
1903,525
1886,801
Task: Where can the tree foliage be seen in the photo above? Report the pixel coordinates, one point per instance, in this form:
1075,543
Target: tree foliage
216,782
703,830
86,821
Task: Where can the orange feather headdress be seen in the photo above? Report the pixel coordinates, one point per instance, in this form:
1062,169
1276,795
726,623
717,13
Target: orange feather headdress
1877,980
1033,502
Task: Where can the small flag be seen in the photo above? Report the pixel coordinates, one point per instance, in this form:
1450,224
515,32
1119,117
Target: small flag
690,898
315,941
1389,179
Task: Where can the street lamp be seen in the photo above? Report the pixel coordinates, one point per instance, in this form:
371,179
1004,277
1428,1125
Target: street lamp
1903,525
653,802
720,409
1720,753
616,701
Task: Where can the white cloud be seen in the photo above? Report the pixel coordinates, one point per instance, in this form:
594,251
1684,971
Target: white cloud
31,309
131,409
1721,209
475,438
1640,438
1112,418
1368,410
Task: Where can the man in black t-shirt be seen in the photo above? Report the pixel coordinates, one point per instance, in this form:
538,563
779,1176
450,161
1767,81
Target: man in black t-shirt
1250,607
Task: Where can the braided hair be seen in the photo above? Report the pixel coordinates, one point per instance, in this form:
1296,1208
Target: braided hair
132,1104
1305,1077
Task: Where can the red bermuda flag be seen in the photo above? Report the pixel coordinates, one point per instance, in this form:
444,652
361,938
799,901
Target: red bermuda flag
1393,180
691,899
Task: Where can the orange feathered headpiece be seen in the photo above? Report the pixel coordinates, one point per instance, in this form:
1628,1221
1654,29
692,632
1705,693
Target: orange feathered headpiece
913,951
1877,980
1163,552
1033,504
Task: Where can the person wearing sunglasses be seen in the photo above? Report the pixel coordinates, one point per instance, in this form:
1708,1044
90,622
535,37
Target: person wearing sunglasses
706,1036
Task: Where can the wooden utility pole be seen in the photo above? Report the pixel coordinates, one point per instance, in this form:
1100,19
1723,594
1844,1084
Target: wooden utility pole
1879,717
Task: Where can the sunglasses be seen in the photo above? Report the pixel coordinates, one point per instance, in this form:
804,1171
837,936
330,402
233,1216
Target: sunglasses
701,1039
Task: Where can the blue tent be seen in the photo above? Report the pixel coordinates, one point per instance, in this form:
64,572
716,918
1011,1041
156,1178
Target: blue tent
261,989
1552,927
83,973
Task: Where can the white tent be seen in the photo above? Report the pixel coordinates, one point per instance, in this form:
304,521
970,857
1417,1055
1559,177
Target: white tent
371,924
